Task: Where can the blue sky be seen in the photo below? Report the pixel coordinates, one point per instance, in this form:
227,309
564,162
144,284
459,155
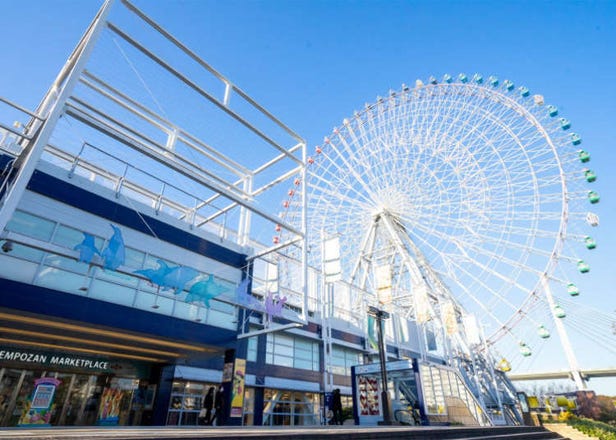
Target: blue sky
312,63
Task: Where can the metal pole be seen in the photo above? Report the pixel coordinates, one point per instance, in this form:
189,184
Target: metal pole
576,373
380,315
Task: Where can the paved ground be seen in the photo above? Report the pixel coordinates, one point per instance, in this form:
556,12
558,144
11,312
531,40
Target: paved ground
568,431
276,433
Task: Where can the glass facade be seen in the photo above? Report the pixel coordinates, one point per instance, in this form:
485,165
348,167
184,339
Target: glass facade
446,395
290,408
56,271
292,351
78,399
186,402
343,359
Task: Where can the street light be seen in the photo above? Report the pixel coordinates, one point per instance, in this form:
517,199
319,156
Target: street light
380,315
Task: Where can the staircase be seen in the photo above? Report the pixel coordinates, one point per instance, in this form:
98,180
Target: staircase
568,431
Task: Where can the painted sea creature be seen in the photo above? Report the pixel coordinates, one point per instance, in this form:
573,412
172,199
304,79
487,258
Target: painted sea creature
156,276
114,254
245,299
273,305
169,277
205,290
87,248
177,277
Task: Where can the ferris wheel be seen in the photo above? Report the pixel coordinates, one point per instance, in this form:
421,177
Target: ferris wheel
469,194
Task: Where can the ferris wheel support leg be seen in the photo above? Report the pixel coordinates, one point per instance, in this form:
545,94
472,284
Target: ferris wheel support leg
576,373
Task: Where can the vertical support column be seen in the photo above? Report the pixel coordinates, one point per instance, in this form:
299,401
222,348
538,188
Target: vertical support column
328,381
163,396
380,315
580,383
243,231
234,383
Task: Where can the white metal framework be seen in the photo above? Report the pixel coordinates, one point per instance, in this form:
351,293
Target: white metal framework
137,111
472,193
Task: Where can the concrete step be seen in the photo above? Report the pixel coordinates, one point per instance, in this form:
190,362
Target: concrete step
538,435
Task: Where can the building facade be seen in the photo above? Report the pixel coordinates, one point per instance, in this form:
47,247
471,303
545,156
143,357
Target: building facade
135,275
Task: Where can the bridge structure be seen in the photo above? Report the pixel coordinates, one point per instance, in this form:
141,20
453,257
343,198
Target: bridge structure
586,374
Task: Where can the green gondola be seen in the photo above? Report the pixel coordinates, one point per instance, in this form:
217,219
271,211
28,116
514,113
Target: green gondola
572,289
543,332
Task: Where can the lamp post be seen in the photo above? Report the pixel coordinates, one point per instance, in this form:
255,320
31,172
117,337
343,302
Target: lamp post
380,315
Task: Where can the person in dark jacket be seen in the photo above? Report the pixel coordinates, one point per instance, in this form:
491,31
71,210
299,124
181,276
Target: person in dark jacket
219,405
337,407
208,404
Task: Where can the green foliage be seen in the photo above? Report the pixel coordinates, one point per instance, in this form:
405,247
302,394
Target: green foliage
600,430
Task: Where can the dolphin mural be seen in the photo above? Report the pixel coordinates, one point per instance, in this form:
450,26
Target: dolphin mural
177,277
87,248
169,277
114,254
156,276
245,299
205,290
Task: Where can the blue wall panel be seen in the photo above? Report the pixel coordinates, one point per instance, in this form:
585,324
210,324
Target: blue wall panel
72,195
43,301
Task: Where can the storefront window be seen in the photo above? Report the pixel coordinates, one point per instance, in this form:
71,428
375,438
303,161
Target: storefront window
249,407
186,402
67,399
290,408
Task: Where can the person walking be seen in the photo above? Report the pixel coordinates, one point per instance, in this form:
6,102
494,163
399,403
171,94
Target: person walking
208,404
219,406
337,407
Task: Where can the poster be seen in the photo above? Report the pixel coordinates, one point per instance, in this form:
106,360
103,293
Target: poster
237,396
39,408
368,396
109,409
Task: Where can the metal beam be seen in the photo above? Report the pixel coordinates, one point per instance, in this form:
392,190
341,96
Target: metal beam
587,374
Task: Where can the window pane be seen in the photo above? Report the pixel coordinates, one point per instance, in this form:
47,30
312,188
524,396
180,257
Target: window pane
58,279
32,226
112,293
283,361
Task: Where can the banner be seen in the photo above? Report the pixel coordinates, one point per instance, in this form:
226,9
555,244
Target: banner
237,392
450,320
422,306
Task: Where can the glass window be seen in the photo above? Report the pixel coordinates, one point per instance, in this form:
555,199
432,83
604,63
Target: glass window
252,349
31,226
343,359
249,406
291,351
290,408
112,293
58,279
68,237
186,401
